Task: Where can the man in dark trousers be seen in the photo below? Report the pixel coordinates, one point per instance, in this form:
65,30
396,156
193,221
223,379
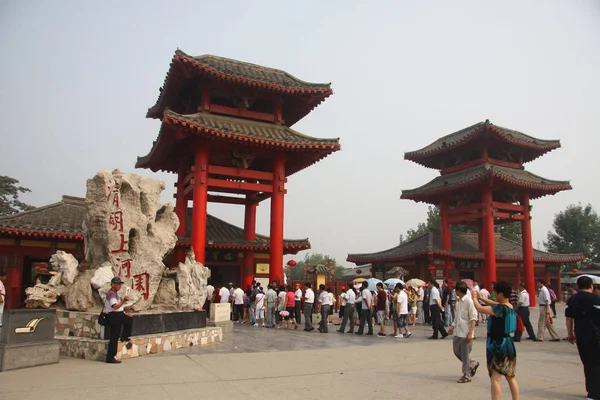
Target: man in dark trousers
365,311
583,313
523,312
435,308
120,322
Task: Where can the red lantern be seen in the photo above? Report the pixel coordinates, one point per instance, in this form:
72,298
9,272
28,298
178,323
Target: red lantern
292,263
358,272
574,271
431,268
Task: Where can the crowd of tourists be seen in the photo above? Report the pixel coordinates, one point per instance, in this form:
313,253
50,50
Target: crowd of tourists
452,308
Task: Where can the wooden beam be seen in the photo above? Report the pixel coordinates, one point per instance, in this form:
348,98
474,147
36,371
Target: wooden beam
514,217
465,217
240,173
508,206
240,112
462,166
503,163
464,209
241,186
213,198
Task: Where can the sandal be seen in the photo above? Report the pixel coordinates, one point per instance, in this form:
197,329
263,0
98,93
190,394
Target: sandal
463,380
474,370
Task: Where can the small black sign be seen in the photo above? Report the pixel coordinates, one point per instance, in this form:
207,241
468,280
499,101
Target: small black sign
468,264
221,255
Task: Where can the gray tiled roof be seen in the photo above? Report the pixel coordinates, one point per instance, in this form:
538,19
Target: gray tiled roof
62,219
473,175
65,219
238,72
454,140
464,245
242,131
223,234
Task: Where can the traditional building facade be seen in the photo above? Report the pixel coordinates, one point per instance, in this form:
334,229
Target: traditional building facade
483,183
226,129
28,239
424,257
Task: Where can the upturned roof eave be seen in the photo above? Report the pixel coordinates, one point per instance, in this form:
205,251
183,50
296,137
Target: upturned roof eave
180,59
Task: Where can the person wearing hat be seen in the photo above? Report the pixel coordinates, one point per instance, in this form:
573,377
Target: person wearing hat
120,322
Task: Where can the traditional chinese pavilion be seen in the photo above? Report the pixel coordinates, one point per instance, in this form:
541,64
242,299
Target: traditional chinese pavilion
28,239
226,132
483,183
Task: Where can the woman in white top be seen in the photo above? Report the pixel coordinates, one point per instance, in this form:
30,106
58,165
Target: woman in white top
332,301
281,300
259,307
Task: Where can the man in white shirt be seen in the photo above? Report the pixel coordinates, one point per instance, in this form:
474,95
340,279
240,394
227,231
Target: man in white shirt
402,311
309,303
224,295
435,308
324,307
523,311
545,322
475,286
365,312
343,299
298,304
348,311
210,290
420,316
238,304
271,298
463,328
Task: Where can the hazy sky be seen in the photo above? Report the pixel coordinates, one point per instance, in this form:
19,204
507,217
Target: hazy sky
77,77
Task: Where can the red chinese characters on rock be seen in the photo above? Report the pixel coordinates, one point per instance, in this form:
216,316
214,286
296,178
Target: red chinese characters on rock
121,248
125,267
115,219
141,283
113,194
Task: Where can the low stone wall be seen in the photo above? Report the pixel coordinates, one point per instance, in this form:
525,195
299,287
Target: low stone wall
78,324
95,349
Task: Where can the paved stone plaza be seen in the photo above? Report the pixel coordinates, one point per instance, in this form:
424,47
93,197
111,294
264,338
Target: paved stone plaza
257,363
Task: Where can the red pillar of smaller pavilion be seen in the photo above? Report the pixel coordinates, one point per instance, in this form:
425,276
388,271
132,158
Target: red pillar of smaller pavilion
446,235
489,270
181,212
528,266
250,235
200,203
276,245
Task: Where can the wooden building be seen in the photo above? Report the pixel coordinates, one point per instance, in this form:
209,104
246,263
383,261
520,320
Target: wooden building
226,128
483,183
28,239
425,258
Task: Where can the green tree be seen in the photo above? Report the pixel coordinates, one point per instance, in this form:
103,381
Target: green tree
312,260
510,231
9,196
576,230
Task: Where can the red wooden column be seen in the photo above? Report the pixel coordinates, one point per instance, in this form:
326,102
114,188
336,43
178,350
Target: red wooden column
249,234
181,212
276,247
527,243
489,272
200,203
446,235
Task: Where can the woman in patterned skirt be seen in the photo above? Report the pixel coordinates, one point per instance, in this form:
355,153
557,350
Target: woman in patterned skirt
500,349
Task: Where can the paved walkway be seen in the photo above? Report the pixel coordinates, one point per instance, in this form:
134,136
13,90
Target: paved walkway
258,363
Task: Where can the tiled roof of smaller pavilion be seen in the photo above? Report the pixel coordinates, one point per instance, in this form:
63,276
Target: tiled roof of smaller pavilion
454,140
464,246
254,133
61,220
221,234
183,66
451,182
64,220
